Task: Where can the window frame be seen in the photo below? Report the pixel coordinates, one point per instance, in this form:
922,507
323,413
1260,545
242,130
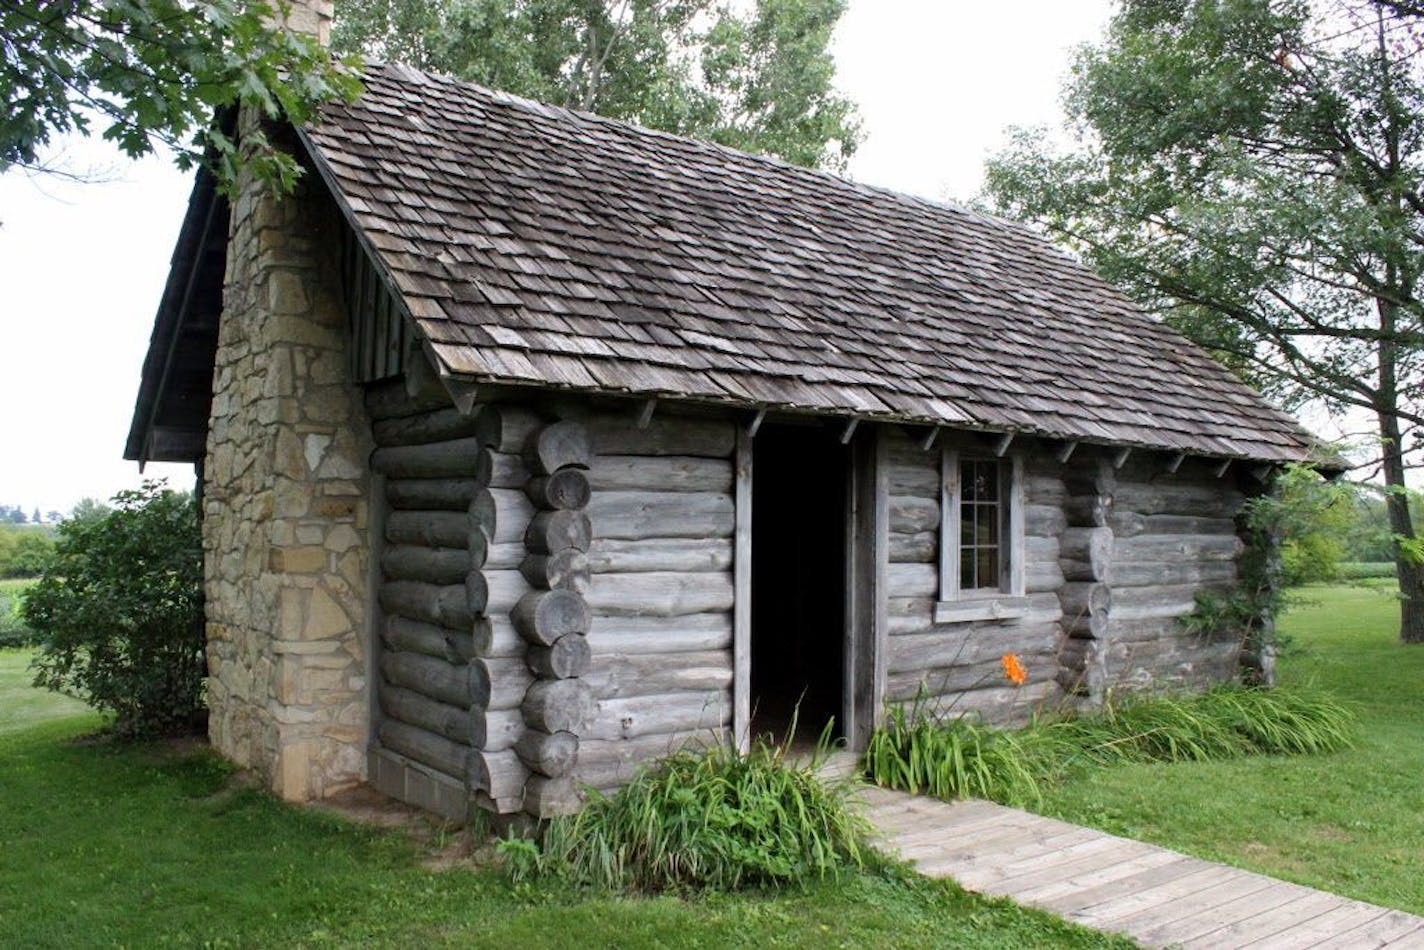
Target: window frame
1009,600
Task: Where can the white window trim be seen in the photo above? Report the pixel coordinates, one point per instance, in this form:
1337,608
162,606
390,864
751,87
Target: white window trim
1010,601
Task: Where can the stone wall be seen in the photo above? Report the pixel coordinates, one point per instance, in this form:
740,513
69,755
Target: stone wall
285,506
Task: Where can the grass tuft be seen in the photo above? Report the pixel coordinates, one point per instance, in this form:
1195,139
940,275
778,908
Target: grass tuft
714,819
959,758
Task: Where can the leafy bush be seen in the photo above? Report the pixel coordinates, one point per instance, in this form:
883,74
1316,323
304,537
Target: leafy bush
24,550
119,612
1361,570
14,632
710,819
959,758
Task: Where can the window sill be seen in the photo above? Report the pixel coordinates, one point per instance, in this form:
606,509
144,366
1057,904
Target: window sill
1003,607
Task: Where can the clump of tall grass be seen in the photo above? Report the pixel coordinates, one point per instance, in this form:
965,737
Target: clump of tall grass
716,819
960,758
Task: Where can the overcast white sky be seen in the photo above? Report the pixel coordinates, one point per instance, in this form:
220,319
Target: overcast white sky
82,267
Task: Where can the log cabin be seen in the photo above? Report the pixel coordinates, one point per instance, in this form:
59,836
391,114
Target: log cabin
533,446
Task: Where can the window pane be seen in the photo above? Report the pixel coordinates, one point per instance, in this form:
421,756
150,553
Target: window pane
966,524
966,481
988,481
986,525
966,569
988,567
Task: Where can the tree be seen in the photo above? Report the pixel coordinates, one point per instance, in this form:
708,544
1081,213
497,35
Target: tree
1251,170
152,73
760,80
88,509
119,612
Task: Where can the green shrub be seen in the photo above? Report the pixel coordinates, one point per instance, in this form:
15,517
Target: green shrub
119,612
14,632
1361,570
958,758
710,819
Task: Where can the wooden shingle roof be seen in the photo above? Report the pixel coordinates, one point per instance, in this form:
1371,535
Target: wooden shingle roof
537,245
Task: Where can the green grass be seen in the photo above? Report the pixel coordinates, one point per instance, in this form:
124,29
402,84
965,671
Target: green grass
1350,822
146,847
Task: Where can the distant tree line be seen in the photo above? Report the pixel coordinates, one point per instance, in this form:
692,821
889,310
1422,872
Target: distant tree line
26,545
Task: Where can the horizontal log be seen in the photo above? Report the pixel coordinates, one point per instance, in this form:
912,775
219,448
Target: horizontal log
919,548
505,682
672,473
1172,573
512,514
462,685
634,515
608,556
659,594
435,529
559,706
1086,554
546,797
639,635
1208,500
606,764
912,580
509,426
425,747
420,563
665,434
449,605
438,425
1178,547
1045,488
997,706
1039,666
459,458
919,477
500,775
565,490
953,647
543,616
909,514
495,730
1167,600
432,715
566,657
909,615
1130,524
1044,521
506,587
498,638
505,556
416,636
549,532
566,570
507,470
633,716
1042,576
553,755
614,675
1085,598
559,445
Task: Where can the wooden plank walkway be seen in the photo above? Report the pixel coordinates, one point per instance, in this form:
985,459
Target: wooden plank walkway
1157,897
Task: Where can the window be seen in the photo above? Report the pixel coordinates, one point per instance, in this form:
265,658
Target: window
981,538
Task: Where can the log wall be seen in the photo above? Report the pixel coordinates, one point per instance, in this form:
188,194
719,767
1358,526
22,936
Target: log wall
662,511
955,667
1114,560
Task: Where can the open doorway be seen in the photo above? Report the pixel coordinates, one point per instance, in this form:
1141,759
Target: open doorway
799,492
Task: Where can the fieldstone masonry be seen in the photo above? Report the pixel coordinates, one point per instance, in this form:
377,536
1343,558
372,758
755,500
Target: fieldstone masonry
285,509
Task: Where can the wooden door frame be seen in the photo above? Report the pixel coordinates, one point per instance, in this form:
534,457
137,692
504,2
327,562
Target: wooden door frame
867,554
867,541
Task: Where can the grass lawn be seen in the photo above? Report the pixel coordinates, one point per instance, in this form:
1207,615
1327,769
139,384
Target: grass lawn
1352,823
145,847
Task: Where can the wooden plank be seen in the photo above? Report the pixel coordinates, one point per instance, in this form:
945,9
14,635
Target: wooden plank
1271,920
742,592
868,559
1341,919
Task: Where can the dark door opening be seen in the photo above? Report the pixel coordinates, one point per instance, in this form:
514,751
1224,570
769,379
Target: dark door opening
799,494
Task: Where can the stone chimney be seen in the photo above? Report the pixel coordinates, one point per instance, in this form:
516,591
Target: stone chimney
312,17
286,508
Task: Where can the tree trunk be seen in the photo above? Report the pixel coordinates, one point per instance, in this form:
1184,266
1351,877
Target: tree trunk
1401,526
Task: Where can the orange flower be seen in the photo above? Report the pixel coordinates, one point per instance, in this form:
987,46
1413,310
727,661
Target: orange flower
1014,671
